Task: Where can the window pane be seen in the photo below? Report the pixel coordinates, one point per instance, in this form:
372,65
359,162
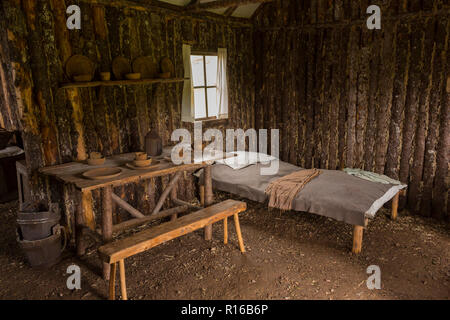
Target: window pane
211,70
200,103
213,109
198,74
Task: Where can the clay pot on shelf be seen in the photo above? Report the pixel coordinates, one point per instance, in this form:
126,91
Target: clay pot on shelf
133,76
164,75
105,76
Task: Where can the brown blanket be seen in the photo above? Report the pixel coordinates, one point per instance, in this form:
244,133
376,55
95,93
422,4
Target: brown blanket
283,191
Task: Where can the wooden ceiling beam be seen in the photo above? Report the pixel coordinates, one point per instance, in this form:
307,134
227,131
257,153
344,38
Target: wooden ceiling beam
221,4
258,11
230,11
169,10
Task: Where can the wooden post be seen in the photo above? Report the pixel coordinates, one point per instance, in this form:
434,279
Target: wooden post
202,195
112,282
123,284
208,197
107,225
225,230
357,239
202,190
79,243
173,196
115,212
394,211
238,231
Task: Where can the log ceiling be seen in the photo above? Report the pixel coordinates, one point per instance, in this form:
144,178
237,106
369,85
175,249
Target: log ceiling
228,8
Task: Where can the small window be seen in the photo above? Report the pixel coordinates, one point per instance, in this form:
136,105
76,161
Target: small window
204,77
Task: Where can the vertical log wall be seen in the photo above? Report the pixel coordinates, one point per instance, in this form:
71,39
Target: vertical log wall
60,125
346,96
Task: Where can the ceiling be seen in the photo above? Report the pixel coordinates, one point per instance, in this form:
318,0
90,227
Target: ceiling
244,11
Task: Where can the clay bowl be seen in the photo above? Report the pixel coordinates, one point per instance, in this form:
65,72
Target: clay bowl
142,163
140,156
95,155
82,78
164,75
96,162
133,76
105,76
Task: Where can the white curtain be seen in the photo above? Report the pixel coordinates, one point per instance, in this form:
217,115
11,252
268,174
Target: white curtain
222,84
187,113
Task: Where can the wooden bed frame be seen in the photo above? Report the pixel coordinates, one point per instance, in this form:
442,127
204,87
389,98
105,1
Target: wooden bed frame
358,230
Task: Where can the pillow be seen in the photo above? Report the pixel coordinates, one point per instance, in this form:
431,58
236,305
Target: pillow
245,159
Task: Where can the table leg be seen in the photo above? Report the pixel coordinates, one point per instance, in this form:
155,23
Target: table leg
208,198
79,221
201,181
173,196
106,224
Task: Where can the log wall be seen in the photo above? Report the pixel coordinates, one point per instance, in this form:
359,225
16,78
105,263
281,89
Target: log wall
346,96
60,125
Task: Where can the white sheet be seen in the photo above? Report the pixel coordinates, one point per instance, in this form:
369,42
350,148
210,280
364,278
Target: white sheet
245,159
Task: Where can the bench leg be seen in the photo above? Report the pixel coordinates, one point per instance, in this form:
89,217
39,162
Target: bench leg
394,211
112,282
225,230
357,239
238,231
123,284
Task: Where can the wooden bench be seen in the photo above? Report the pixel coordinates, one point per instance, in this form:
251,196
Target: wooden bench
118,251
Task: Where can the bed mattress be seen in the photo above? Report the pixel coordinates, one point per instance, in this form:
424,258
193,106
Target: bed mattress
334,194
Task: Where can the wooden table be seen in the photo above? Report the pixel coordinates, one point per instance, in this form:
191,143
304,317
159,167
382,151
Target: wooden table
71,173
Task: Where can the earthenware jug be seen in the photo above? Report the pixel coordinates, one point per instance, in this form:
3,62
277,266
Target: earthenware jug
153,144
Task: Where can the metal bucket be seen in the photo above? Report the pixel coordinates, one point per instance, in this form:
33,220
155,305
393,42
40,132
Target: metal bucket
38,225
46,252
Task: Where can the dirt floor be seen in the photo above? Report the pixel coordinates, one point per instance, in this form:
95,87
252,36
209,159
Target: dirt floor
289,256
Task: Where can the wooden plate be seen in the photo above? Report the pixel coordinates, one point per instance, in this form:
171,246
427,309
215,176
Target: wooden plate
120,67
167,66
154,165
102,173
146,67
79,65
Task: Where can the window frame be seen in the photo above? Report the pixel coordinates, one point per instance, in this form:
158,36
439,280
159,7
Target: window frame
204,54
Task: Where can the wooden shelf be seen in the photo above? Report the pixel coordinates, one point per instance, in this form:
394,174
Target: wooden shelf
119,83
